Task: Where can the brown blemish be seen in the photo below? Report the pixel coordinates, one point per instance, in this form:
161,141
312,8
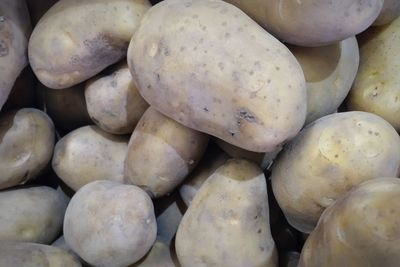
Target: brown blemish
3,48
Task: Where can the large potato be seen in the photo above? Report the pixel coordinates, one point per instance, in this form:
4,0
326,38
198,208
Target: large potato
76,39
327,159
36,215
88,154
312,22
377,85
161,153
227,223
109,224
360,229
114,102
26,145
210,67
15,28
390,11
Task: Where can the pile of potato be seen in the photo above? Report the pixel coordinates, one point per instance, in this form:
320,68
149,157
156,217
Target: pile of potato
199,133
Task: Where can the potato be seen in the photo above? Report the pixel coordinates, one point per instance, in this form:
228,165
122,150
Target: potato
114,102
377,85
360,229
312,22
227,223
60,243
21,254
15,28
36,215
89,154
109,224
161,153
330,72
327,159
390,11
26,145
76,39
213,69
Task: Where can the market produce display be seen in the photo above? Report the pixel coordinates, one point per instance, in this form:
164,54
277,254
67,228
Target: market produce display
199,133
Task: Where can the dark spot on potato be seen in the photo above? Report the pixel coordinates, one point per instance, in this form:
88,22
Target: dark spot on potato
256,217
204,28
221,66
195,48
269,81
277,68
227,35
336,156
259,231
224,23
114,83
262,248
182,28
182,48
251,73
244,114
158,77
188,4
3,48
205,109
148,86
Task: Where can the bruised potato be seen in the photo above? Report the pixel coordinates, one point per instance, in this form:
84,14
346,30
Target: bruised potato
327,159
390,11
360,229
26,145
110,224
213,69
76,39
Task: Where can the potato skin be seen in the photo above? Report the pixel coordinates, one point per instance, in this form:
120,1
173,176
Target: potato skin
390,11
230,210
88,154
360,229
174,148
200,69
76,39
377,85
327,159
26,147
121,232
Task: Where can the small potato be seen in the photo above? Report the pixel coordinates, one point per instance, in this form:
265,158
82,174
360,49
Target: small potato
360,229
227,223
327,159
114,102
36,215
390,11
312,22
21,254
109,224
161,153
26,145
76,39
213,69
377,85
89,154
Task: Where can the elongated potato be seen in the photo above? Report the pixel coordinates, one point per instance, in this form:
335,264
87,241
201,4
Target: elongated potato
26,145
161,153
109,224
360,229
390,11
114,102
200,69
227,223
327,159
76,39
377,85
89,154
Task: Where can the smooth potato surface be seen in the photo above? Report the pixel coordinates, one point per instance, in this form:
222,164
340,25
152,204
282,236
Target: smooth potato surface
390,11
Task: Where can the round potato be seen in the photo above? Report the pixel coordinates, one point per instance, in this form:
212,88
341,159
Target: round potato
114,102
227,223
26,145
390,11
360,229
327,159
109,224
213,69
377,85
76,39
161,153
89,154
312,22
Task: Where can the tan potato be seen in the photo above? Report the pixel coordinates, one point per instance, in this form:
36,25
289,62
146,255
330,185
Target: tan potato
360,229
15,28
26,145
377,85
161,153
390,11
110,224
36,215
327,159
60,243
76,39
312,22
227,223
213,69
330,71
89,154
114,102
